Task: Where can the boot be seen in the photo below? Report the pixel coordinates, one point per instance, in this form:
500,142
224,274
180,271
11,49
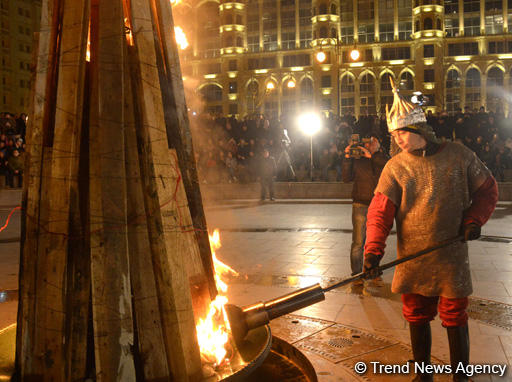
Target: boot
458,339
421,342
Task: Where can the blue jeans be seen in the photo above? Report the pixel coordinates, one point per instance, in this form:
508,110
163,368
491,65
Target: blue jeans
359,212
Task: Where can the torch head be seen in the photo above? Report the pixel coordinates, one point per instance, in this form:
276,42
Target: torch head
241,320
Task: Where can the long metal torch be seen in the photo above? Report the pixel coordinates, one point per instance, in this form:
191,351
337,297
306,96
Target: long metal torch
244,319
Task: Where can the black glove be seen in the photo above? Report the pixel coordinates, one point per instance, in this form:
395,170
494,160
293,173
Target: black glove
472,231
370,265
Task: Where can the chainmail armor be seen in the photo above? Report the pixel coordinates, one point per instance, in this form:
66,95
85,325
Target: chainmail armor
431,194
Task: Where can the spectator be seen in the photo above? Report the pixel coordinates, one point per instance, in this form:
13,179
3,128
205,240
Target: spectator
4,169
15,164
267,174
232,167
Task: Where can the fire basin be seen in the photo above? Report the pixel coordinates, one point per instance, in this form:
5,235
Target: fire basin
263,357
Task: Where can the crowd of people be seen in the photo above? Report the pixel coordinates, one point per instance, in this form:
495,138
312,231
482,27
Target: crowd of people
230,149
12,148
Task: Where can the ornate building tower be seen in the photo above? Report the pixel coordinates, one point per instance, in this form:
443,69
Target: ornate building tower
428,36
326,24
232,27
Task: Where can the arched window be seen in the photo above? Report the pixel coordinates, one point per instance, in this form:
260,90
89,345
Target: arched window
229,41
406,81
473,100
495,77
211,93
472,78
323,32
306,89
494,88
367,84
386,93
427,23
347,84
347,89
287,90
334,9
439,24
239,41
385,83
252,95
322,9
453,79
334,34
452,90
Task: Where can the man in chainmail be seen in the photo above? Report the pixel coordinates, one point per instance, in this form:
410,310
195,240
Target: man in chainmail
434,191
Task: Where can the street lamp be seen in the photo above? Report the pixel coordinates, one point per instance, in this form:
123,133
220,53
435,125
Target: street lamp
310,124
321,57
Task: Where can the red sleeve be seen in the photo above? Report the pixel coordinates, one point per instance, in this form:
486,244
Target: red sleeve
483,203
381,214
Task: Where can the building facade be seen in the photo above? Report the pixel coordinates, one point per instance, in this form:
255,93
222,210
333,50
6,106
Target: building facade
19,19
457,52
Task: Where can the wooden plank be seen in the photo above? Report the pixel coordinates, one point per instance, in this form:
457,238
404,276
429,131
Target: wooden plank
40,91
151,346
110,275
178,131
47,351
168,246
50,340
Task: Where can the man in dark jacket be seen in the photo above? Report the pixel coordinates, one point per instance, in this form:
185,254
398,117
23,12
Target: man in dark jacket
267,174
364,171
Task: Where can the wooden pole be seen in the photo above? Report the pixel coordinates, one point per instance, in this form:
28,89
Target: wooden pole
178,130
111,285
42,92
49,349
161,181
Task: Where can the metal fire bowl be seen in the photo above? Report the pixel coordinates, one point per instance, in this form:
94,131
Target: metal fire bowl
251,354
263,357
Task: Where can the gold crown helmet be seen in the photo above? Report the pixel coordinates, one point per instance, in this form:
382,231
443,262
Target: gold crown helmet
403,113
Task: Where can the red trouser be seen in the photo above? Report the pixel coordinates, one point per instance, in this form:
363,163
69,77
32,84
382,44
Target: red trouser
418,309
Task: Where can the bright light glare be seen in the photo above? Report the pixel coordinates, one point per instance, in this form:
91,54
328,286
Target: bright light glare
181,38
320,57
354,54
270,85
309,123
291,84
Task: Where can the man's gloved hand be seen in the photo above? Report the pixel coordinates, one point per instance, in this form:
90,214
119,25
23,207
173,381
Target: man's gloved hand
472,231
371,262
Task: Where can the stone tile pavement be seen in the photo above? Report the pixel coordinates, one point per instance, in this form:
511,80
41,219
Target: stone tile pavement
290,244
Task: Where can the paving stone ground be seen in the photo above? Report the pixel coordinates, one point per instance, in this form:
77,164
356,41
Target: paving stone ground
293,243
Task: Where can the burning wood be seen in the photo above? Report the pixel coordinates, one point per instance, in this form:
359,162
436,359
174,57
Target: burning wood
181,38
213,331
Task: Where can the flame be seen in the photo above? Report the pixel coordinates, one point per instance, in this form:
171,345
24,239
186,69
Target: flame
128,31
181,38
88,53
213,330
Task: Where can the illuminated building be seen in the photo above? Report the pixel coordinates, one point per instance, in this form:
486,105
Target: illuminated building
457,52
19,19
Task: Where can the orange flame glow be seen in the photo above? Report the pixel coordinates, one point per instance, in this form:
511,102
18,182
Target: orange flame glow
88,52
181,38
213,330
